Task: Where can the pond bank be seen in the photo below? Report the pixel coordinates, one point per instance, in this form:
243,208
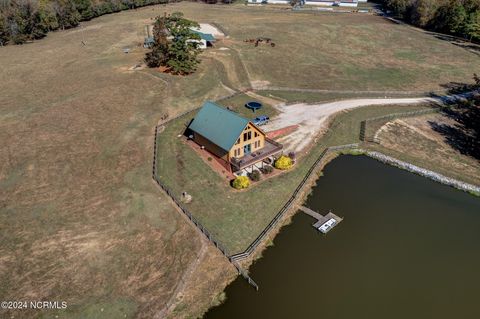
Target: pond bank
377,253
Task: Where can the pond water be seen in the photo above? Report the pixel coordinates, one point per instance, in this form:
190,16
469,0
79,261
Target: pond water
407,248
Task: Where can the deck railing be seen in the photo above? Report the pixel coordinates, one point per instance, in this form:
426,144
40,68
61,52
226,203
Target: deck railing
250,249
241,163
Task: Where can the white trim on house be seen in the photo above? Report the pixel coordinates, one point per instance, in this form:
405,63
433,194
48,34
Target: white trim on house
340,3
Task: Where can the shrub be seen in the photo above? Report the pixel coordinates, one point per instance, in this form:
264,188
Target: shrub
284,162
266,169
254,175
241,182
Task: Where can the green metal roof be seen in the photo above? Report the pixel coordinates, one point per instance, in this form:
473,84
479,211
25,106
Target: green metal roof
219,125
205,36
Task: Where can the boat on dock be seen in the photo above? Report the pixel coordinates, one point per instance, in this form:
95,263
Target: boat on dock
324,223
329,224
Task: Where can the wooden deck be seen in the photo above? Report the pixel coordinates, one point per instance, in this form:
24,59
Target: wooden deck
320,218
270,148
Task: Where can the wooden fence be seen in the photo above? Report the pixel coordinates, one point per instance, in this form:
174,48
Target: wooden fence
251,249
187,213
233,259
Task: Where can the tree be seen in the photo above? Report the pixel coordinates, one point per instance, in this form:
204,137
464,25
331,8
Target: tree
180,53
423,11
476,78
159,54
3,31
183,49
67,14
456,18
472,25
400,7
85,9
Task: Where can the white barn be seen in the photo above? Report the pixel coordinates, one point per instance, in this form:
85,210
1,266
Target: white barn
340,3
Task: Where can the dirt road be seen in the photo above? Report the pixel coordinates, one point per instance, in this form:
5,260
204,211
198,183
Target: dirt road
312,118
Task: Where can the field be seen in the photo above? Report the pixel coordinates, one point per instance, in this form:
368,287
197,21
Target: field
81,220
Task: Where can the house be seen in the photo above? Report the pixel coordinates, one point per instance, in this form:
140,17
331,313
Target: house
340,3
232,139
206,39
148,42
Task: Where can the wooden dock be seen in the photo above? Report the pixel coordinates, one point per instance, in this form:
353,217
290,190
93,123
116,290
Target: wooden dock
320,218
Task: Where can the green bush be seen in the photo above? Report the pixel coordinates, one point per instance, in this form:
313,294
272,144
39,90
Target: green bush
241,182
266,169
284,162
255,175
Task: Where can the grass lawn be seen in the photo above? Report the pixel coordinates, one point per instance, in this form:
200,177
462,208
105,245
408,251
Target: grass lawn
334,51
80,219
237,103
236,218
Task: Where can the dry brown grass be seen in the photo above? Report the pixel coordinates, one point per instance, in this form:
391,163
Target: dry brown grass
80,219
415,140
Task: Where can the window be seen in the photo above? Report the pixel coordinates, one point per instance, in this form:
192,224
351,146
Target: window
236,152
247,136
256,134
257,144
238,141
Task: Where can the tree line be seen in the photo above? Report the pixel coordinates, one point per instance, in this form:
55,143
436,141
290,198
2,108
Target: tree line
456,17
25,20
464,134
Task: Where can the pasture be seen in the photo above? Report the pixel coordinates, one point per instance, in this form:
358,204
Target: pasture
81,220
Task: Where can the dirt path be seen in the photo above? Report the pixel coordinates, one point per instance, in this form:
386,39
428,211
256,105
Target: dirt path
177,294
264,99
312,118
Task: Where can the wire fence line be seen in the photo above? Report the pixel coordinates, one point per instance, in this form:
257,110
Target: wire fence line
188,214
305,90
364,125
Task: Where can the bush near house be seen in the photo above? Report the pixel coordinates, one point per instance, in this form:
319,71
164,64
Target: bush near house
284,162
266,169
241,182
255,175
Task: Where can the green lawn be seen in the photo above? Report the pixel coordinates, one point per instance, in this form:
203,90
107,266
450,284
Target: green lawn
237,103
236,218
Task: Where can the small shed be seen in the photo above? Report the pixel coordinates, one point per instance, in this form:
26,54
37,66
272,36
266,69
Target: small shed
148,42
206,39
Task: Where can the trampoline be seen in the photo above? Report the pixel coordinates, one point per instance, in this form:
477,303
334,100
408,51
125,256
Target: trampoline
253,106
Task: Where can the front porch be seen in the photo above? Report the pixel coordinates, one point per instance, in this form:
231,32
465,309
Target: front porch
271,148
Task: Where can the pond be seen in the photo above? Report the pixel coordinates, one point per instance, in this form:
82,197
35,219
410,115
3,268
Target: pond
407,248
